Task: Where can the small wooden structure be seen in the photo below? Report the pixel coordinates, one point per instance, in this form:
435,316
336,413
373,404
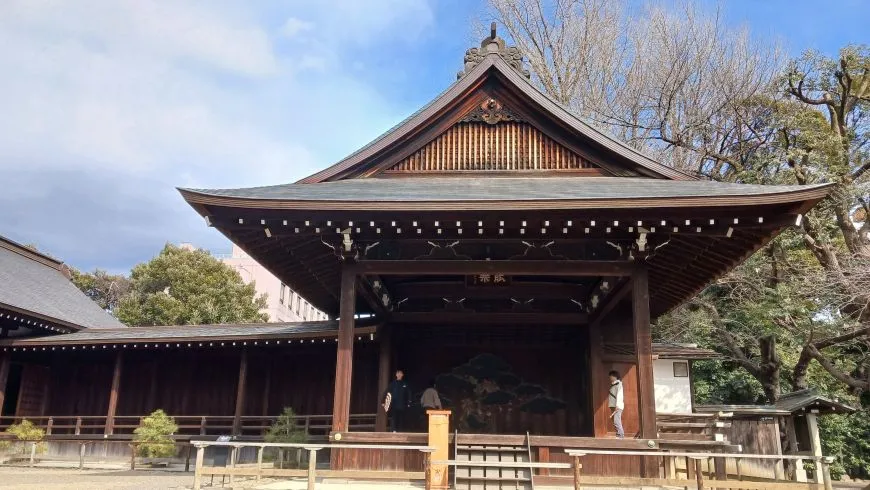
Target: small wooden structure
492,241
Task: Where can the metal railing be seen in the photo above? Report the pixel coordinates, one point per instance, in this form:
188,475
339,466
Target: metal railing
311,473
316,426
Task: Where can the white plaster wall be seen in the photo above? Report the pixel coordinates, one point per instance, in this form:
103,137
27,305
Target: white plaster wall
268,284
673,395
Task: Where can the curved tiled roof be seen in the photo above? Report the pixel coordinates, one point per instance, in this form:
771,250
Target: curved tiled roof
482,189
34,284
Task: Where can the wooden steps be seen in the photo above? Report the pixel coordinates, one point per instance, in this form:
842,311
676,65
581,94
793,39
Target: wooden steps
515,475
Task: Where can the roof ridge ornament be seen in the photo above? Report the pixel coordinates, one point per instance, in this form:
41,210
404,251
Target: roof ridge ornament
490,45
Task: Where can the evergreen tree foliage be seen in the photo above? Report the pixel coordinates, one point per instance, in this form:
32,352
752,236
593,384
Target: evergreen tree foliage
188,287
154,435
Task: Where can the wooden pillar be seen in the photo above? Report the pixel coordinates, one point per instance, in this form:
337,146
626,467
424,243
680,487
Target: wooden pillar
240,392
385,355
344,356
439,438
646,401
266,385
5,361
152,388
815,444
600,412
113,394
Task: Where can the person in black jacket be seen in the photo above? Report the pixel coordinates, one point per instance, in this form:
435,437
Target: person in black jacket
397,400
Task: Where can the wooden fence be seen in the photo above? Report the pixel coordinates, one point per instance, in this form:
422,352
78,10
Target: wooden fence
311,473
316,426
721,481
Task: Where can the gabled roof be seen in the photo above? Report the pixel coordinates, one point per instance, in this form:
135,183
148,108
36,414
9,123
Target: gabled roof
493,65
810,399
34,285
789,403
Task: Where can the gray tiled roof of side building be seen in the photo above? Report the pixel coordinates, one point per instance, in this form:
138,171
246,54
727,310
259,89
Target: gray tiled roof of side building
29,285
504,188
184,332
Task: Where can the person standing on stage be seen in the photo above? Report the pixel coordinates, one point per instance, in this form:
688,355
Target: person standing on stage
397,400
616,402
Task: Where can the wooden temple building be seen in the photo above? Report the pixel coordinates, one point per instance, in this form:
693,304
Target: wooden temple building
492,241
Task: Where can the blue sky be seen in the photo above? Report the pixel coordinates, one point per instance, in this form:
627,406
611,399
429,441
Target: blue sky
108,106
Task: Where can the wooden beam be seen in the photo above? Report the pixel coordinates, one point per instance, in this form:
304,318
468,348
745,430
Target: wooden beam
365,290
524,318
344,356
240,392
610,301
525,290
643,349
508,267
5,362
113,394
385,340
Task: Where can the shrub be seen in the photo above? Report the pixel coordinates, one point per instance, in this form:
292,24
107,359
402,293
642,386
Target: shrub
154,436
285,429
25,431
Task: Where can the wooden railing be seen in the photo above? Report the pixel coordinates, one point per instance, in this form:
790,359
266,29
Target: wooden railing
316,426
693,426
311,473
667,461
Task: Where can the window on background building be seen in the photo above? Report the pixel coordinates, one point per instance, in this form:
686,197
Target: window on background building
281,294
298,301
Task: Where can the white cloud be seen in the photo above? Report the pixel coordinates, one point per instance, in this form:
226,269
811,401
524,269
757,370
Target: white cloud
293,27
107,101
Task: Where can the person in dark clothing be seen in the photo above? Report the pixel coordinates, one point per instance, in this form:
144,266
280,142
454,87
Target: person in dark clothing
397,400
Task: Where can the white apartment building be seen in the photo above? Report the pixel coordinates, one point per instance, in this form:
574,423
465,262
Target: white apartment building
283,304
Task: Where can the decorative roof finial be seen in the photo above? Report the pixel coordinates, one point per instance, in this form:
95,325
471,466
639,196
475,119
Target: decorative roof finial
494,45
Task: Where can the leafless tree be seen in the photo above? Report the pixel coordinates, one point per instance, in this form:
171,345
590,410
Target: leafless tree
678,84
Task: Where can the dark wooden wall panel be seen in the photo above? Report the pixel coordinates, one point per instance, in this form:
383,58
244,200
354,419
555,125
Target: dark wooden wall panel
555,358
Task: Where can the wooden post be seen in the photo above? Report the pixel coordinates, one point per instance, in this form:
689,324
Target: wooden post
266,385
78,429
260,462
699,474
826,474
234,452
152,387
49,426
202,426
132,457
187,457
5,361
646,400
738,462
240,393
113,395
385,353
82,455
197,470
32,453
577,467
312,468
344,357
815,443
439,438
600,412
